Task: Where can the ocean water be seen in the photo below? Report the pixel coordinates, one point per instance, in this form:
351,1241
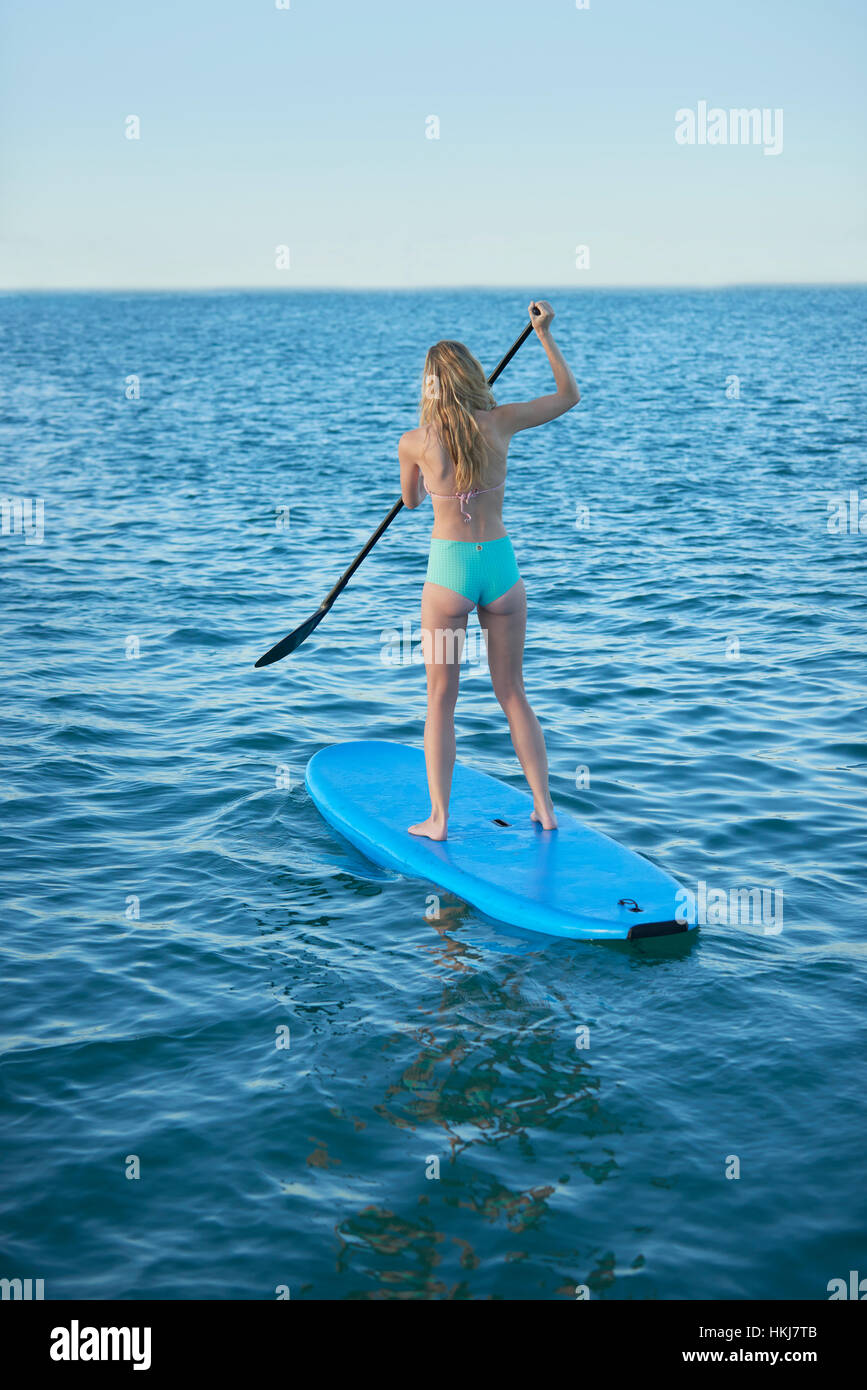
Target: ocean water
318,1088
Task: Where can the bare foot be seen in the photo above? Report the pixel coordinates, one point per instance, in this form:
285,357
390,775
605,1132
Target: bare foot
431,829
545,817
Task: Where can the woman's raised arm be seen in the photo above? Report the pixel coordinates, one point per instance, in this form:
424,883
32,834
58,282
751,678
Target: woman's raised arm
523,415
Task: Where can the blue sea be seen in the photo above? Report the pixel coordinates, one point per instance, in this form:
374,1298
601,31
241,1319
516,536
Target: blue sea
240,1062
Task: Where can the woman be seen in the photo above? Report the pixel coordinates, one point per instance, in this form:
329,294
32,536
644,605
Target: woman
458,455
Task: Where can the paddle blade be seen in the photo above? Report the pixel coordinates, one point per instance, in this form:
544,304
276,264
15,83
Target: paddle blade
294,639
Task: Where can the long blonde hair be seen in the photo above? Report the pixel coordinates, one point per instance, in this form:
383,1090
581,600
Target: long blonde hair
454,385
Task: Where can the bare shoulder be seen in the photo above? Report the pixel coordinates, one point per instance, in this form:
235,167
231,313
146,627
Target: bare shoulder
411,443
499,421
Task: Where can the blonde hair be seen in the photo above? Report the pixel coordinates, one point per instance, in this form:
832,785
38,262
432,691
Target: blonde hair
454,385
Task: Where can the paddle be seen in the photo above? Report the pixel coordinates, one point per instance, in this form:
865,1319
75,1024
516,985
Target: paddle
294,639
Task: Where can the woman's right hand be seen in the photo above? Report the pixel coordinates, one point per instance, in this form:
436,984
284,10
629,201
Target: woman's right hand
541,315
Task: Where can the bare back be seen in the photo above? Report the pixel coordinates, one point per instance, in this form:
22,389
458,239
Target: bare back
485,510
423,456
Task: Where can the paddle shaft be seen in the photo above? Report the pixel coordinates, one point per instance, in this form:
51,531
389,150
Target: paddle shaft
386,521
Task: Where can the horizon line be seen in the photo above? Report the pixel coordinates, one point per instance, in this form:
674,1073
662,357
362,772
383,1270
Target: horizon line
426,289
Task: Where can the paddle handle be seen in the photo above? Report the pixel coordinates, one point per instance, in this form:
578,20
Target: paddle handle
504,362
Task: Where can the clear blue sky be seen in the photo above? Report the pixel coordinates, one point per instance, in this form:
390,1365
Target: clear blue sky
306,127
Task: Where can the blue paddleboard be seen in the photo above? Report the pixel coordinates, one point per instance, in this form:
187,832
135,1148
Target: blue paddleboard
570,882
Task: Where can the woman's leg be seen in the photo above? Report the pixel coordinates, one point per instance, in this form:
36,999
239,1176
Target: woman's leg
444,625
505,623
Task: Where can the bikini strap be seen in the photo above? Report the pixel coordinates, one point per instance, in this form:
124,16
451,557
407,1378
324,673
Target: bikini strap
462,497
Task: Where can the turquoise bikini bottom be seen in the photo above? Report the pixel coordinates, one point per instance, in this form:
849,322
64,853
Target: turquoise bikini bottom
479,570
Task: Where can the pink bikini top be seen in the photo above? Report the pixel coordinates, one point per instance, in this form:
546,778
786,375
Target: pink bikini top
462,497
